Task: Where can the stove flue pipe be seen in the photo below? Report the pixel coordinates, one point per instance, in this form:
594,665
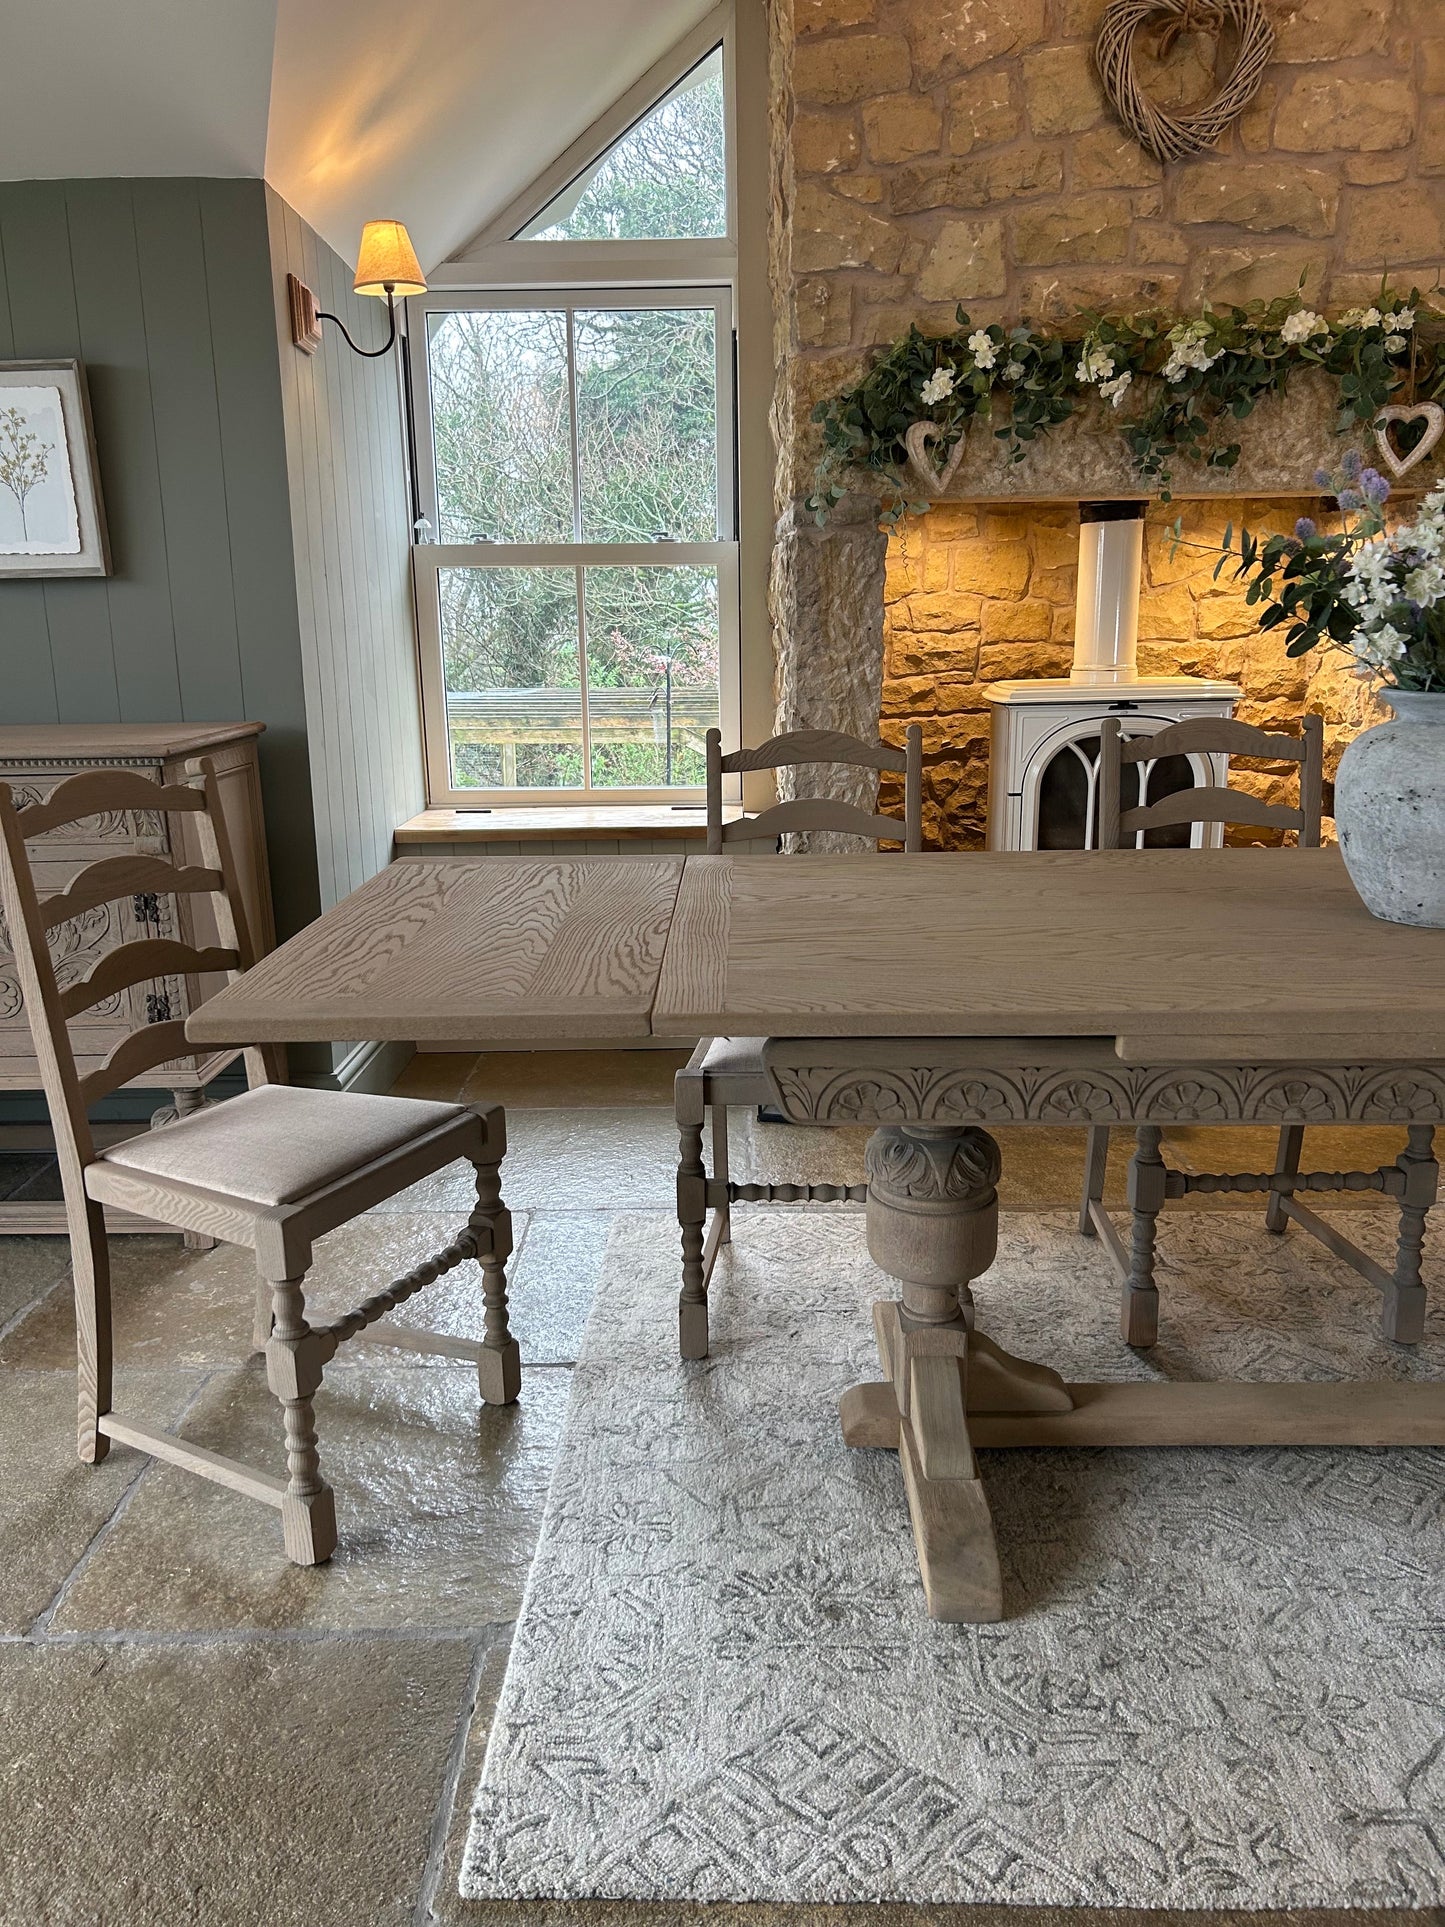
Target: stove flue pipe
1106,616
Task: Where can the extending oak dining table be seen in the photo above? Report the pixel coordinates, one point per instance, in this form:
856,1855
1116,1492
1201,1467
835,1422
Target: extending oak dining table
932,997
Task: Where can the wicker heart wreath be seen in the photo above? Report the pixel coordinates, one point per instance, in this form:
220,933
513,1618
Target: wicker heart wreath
1169,137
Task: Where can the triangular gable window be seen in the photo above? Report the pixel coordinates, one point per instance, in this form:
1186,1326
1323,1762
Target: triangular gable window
665,179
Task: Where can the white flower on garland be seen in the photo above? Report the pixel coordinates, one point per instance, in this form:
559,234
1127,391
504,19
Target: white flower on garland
984,348
1188,350
1303,325
1095,364
1395,344
939,386
1400,322
1360,318
1014,371
1114,391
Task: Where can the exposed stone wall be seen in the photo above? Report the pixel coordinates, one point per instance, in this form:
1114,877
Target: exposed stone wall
975,595
927,152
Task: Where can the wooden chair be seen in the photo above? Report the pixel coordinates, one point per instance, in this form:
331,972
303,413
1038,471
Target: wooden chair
273,1168
729,1070
1412,1179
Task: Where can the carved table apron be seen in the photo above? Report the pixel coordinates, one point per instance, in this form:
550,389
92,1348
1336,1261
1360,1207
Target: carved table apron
932,1216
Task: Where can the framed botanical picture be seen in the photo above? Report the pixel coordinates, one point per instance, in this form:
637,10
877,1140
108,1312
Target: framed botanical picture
51,519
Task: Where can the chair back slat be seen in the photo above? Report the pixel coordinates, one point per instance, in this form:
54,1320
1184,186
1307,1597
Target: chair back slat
124,876
141,1051
138,963
101,791
812,813
798,746
807,746
1211,803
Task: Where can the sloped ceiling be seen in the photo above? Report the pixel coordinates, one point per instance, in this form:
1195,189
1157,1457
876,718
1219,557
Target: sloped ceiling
134,87
432,112
439,112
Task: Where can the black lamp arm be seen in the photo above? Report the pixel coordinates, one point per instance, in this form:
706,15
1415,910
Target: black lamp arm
370,354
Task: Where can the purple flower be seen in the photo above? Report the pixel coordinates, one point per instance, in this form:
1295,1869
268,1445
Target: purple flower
1305,529
1323,478
1350,498
1376,488
1351,465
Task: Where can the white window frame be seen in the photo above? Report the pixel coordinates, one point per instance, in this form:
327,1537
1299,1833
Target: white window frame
430,559
493,270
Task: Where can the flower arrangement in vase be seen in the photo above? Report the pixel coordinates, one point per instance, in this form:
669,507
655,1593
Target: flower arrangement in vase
1378,594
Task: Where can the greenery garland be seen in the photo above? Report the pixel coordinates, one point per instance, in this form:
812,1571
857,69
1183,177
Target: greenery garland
1175,383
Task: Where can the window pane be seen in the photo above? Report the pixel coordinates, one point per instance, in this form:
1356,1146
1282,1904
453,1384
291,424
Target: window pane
647,423
652,674
512,666
501,425
664,180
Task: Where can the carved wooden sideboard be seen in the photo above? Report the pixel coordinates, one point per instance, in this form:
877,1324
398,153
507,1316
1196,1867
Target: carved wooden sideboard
33,759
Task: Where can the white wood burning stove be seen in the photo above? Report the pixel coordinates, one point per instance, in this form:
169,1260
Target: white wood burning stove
1044,734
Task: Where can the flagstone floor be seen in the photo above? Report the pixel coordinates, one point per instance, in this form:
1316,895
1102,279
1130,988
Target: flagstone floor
191,1730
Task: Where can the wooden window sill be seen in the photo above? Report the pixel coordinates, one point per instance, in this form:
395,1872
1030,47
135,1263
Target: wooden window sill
547,825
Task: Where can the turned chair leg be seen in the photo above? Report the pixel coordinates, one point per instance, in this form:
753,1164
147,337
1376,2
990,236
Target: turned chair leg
1402,1317
499,1369
722,1216
692,1218
293,1370
1139,1320
1096,1160
90,1272
1286,1164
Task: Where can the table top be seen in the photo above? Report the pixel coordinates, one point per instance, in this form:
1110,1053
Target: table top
505,948
1175,954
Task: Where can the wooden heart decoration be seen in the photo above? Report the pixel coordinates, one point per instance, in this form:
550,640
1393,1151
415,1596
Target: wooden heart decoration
1429,413
1170,137
916,440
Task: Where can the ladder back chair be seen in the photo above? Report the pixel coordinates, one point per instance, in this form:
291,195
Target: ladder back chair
1412,1180
273,1168
729,1070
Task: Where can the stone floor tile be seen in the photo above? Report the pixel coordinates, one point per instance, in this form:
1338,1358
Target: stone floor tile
553,1282
51,1505
438,1505
608,1158
525,1080
289,1783
29,1267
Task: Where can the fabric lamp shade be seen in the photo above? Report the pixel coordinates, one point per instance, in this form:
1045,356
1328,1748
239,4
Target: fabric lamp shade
387,262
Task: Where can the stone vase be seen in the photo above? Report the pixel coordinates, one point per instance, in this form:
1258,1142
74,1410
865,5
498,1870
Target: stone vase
1390,811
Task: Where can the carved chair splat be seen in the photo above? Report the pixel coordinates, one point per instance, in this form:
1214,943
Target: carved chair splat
729,1070
272,1169
1412,1180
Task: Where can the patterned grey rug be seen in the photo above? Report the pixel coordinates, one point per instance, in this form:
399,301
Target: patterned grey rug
1222,1678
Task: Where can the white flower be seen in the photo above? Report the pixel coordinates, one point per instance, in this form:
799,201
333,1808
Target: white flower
1400,322
1380,646
1187,350
1115,390
1095,364
1014,371
1425,584
984,347
1302,325
1360,318
1394,343
939,386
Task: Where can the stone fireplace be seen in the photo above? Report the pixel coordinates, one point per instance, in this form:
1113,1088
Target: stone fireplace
928,152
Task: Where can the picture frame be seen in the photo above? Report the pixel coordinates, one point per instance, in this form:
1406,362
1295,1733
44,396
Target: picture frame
52,520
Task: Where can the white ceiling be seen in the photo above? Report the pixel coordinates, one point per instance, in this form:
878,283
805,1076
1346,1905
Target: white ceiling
133,87
433,112
439,112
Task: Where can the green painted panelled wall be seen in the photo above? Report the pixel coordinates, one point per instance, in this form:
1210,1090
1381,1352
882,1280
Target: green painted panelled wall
256,500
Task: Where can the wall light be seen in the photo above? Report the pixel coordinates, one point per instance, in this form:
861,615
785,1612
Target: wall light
386,266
